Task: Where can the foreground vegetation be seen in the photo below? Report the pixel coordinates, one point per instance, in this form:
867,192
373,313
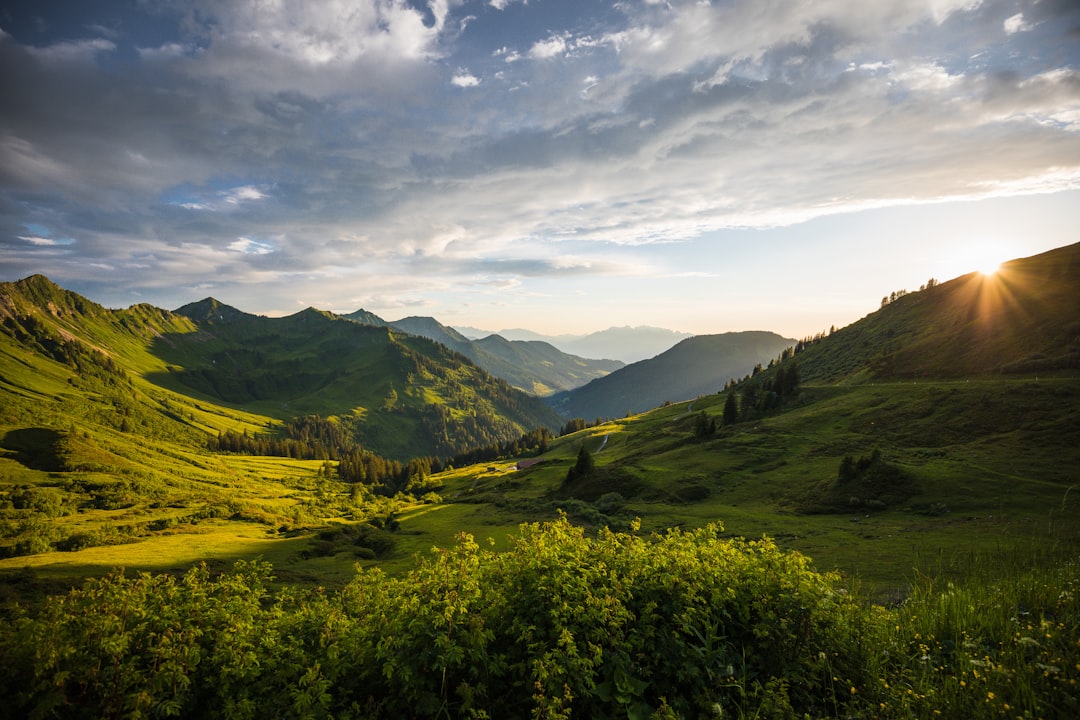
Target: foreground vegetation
562,624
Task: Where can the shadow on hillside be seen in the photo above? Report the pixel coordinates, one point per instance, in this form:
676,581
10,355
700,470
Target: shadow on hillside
36,448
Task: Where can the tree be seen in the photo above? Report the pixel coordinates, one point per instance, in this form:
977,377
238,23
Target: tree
787,382
584,467
731,408
704,427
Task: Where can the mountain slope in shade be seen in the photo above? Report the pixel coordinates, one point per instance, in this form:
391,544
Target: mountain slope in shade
211,311
696,366
629,344
432,329
1025,318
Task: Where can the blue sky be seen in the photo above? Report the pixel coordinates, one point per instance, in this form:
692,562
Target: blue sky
559,165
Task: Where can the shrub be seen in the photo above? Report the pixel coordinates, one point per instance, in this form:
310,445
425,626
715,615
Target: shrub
560,625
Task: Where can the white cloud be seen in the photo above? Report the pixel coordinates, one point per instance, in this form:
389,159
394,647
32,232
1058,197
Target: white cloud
927,76
464,79
251,247
242,193
549,48
335,31
42,241
1016,23
168,51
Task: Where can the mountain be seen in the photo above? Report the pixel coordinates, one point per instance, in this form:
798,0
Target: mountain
538,368
626,344
404,396
365,318
409,395
432,329
698,365
210,311
629,344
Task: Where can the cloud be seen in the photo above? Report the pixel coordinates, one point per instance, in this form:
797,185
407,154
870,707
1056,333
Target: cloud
45,241
75,51
551,47
332,128
166,52
464,79
1016,23
242,193
251,247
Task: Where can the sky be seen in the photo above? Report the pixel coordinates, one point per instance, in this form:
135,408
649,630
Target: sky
558,165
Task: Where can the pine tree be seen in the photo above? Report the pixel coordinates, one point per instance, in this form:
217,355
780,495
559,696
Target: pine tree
584,467
731,408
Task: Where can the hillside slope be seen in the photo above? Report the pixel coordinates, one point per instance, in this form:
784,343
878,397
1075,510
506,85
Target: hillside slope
538,368
1023,319
407,396
696,366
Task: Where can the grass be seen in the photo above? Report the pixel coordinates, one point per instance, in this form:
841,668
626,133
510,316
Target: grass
1008,485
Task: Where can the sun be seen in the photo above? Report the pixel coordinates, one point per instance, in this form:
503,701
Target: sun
989,268
988,257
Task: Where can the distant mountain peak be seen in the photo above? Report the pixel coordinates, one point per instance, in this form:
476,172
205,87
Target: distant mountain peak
212,311
364,317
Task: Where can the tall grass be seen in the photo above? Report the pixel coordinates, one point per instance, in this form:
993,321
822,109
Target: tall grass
1001,641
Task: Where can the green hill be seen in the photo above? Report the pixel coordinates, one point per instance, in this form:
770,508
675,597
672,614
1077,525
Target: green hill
407,396
1024,319
112,422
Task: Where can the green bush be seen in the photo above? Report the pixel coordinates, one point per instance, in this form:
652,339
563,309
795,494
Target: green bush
560,625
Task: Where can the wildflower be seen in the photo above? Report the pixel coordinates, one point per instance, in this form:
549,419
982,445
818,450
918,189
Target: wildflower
989,696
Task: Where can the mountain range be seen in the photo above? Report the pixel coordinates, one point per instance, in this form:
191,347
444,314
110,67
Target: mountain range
535,366
626,344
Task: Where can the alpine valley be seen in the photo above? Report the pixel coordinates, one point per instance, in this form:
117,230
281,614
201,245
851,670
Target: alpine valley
935,440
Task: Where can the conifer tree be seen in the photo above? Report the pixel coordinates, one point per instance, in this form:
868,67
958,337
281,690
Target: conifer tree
731,408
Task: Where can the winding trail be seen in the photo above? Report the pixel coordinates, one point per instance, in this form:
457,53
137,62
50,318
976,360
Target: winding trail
689,409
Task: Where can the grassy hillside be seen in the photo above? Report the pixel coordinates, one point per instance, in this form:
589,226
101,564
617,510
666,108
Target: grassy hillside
106,416
947,481
1023,320
407,396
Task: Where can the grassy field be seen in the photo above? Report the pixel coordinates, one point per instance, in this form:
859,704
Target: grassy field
992,466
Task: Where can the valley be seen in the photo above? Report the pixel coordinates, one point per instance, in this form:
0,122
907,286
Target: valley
933,442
